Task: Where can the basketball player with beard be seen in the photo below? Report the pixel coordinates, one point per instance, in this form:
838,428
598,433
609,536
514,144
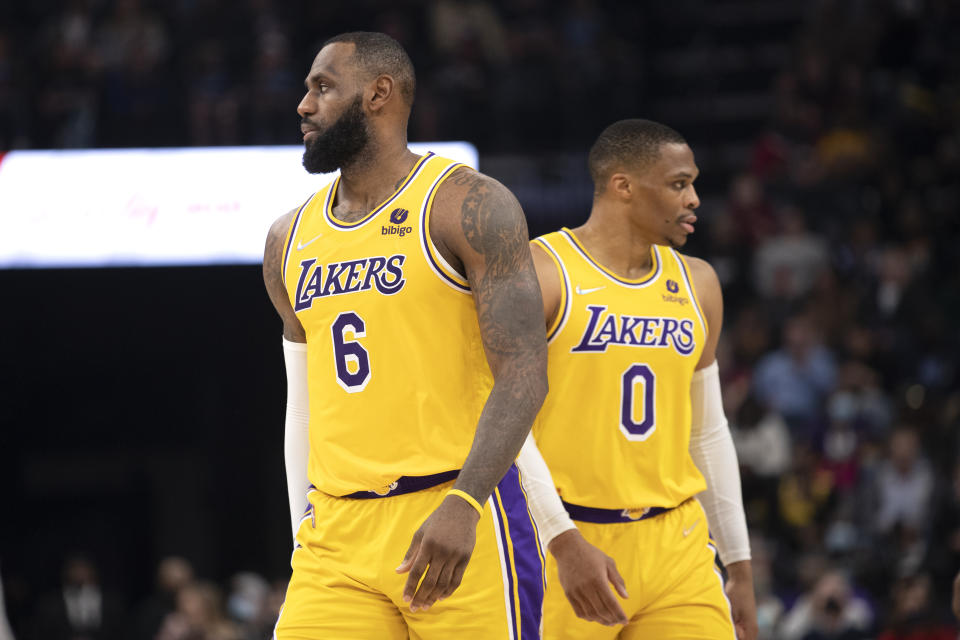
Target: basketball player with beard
416,362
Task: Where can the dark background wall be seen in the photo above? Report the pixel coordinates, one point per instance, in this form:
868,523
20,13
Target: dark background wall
143,416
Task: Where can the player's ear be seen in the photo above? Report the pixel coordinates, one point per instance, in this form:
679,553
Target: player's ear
620,186
381,91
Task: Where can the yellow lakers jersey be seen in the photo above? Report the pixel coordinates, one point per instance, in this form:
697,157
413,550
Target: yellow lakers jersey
615,427
395,365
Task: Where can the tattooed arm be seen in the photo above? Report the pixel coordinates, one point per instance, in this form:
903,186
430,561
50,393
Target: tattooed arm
492,247
479,228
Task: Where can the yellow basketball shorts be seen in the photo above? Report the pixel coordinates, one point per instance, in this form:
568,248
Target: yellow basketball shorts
668,565
344,583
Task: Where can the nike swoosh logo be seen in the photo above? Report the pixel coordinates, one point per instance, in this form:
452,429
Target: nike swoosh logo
690,529
304,245
583,291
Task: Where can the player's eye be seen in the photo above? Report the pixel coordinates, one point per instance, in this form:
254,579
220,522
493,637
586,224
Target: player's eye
679,185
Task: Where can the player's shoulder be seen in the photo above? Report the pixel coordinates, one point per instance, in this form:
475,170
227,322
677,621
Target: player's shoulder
699,268
705,281
276,241
472,209
544,259
467,188
543,249
281,225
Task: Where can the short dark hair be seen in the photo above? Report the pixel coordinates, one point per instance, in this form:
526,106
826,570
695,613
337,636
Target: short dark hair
631,143
378,53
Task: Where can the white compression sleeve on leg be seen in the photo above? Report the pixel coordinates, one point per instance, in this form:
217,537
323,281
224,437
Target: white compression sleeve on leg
711,447
296,440
545,506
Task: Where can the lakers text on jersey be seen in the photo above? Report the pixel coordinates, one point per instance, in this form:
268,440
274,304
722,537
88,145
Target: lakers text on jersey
615,427
615,432
396,368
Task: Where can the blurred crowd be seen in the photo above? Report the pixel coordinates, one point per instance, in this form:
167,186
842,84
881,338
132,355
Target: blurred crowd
835,245
837,251
121,73
181,607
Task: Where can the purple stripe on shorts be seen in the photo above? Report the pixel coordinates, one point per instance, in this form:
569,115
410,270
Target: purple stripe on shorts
527,556
512,614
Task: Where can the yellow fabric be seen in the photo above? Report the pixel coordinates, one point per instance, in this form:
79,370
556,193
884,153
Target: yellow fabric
615,427
344,585
396,370
667,564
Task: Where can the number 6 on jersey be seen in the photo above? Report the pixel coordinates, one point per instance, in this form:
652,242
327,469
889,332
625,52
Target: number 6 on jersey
633,430
352,360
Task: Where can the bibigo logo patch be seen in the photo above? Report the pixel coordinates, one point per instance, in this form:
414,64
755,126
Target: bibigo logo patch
397,217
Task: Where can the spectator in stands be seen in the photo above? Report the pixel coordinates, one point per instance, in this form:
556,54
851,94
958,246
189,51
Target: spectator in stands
173,574
805,496
904,485
199,616
769,606
945,544
81,608
912,615
830,611
795,379
248,605
750,209
787,265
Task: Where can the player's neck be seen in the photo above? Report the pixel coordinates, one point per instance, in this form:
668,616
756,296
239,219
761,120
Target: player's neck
615,243
374,177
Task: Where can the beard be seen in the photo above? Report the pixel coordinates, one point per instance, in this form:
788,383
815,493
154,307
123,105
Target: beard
340,143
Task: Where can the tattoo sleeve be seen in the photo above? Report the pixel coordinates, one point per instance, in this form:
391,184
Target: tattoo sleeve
500,269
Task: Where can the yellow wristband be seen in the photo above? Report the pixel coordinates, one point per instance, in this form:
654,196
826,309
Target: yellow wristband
469,498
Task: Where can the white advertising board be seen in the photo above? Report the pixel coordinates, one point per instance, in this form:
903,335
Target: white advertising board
150,207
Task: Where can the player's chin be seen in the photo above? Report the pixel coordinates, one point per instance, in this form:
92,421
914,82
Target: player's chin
677,240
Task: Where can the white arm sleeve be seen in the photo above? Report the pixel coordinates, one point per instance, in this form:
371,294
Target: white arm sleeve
545,506
296,441
711,447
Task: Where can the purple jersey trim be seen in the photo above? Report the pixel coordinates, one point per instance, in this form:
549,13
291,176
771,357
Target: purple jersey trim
658,266
610,516
565,277
688,281
407,484
425,234
373,214
290,237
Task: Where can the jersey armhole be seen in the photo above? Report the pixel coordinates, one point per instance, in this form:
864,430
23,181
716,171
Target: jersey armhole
291,233
561,318
688,280
440,267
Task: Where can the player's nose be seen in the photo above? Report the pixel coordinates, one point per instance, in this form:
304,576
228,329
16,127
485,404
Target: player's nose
307,105
693,200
